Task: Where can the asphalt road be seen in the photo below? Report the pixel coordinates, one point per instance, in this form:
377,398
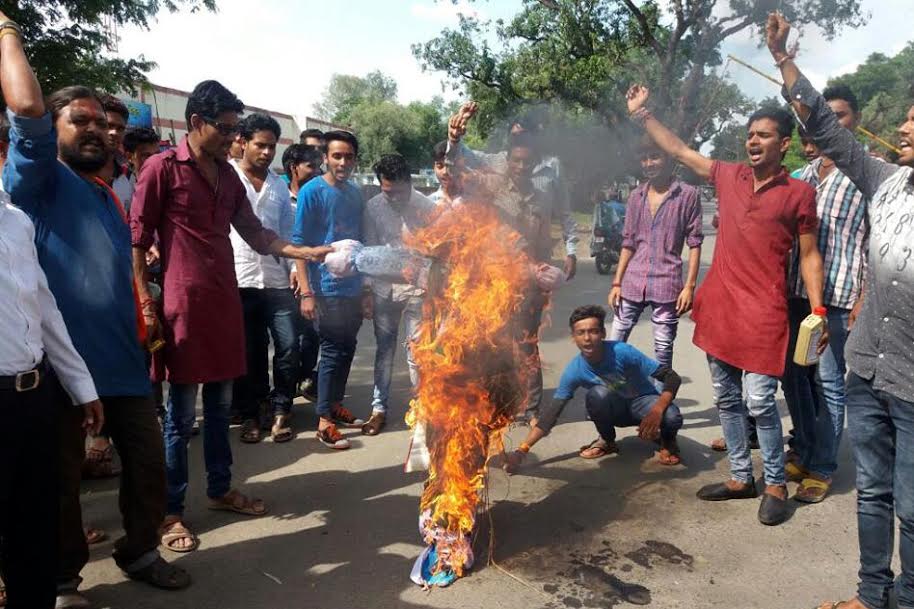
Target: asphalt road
624,530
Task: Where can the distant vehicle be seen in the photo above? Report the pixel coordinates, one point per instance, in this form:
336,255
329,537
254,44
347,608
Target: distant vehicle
606,237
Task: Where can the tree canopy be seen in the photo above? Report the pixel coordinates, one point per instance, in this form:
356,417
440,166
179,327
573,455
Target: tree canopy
66,41
582,55
368,105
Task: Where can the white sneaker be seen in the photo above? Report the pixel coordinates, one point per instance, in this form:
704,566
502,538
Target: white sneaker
72,600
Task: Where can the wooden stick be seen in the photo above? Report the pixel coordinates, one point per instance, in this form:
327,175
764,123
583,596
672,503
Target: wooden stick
860,129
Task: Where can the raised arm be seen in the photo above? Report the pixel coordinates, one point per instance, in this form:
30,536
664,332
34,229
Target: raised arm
20,87
834,141
668,141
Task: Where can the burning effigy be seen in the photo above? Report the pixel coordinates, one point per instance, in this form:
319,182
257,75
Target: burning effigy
473,375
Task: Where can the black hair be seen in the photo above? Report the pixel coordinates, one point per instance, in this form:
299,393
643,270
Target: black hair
782,117
523,139
439,152
209,99
4,131
295,154
253,123
530,120
392,167
842,92
338,135
311,133
137,136
60,99
586,312
115,106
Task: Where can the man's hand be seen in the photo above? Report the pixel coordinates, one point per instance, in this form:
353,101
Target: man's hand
684,302
367,305
776,31
152,255
636,97
823,340
570,267
94,417
649,428
312,254
855,313
457,125
308,307
615,297
513,461
293,282
151,319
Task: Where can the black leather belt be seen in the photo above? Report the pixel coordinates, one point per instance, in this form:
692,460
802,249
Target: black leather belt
25,381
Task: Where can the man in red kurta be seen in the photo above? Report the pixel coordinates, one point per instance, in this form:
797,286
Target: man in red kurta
740,310
190,196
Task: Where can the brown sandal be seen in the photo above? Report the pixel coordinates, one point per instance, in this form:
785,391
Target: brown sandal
250,432
665,456
235,501
94,536
812,490
598,448
99,464
171,531
281,431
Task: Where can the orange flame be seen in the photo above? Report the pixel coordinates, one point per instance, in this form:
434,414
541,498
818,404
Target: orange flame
472,374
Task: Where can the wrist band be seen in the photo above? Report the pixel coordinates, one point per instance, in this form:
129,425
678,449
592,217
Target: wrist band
308,295
524,447
640,115
617,285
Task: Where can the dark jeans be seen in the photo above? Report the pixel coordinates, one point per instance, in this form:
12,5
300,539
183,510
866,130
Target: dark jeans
609,409
29,488
881,429
134,429
338,323
309,346
276,311
217,452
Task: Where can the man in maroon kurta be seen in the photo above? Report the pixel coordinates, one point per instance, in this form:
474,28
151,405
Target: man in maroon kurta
190,197
740,310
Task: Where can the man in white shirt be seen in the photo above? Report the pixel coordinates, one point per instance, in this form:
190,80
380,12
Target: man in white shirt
266,298
37,357
396,211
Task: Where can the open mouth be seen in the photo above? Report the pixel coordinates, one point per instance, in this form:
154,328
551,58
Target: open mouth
755,155
904,145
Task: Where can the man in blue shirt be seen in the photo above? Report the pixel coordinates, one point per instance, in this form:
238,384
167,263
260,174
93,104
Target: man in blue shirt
57,151
330,209
621,392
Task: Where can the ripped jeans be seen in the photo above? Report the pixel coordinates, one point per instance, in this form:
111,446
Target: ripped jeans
734,420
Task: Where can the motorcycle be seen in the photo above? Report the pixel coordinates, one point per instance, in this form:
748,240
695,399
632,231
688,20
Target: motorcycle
606,239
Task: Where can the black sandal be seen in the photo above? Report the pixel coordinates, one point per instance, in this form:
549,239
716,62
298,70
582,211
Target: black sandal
161,574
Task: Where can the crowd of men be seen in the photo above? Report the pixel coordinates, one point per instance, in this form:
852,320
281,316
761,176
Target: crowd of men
123,267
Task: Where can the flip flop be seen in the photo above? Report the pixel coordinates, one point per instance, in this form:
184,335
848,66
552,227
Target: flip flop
665,457
599,447
234,501
812,490
171,532
94,536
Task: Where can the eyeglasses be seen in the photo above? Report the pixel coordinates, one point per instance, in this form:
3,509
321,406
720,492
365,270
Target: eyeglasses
224,129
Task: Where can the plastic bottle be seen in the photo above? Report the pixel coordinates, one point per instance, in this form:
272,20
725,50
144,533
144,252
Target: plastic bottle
810,333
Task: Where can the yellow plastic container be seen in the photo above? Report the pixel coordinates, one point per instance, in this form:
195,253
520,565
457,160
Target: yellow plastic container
808,338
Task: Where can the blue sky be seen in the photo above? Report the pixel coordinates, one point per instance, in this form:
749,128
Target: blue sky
280,54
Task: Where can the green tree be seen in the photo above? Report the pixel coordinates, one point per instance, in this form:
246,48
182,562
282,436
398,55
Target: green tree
68,41
345,92
387,127
883,87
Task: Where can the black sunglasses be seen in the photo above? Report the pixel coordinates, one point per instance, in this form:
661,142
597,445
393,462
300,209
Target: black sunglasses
223,128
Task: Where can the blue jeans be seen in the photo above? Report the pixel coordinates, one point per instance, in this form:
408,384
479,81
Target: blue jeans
609,409
734,414
881,429
816,394
274,310
387,316
338,322
217,453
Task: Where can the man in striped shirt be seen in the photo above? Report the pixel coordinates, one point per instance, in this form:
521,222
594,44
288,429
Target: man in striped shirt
816,396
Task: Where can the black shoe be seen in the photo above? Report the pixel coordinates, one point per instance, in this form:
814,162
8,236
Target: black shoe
773,510
721,492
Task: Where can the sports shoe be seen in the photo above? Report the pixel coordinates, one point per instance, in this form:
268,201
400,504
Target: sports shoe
330,436
340,415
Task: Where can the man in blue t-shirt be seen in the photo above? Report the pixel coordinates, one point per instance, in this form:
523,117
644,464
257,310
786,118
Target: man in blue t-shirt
330,209
621,392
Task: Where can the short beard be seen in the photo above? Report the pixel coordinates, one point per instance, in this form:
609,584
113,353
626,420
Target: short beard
81,163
